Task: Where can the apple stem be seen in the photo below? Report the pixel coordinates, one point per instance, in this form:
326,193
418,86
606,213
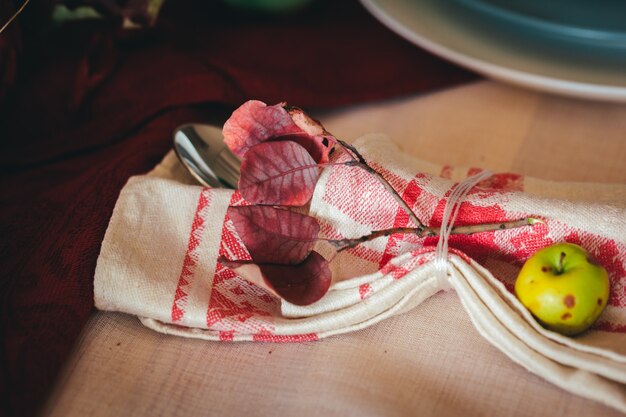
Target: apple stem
559,269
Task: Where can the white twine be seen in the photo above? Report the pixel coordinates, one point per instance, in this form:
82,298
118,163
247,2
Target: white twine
450,212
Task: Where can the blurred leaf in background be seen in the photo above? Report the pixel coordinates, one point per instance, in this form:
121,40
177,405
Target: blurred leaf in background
277,6
130,13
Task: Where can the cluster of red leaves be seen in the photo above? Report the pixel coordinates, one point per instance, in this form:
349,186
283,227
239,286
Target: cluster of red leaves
281,148
283,152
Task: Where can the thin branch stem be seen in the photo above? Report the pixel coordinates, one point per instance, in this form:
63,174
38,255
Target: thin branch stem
364,165
15,15
341,244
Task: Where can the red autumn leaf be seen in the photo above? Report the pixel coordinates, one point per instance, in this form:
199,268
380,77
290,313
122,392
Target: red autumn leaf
278,173
255,122
274,235
300,284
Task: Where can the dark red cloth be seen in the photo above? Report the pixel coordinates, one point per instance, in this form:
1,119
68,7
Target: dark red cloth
92,105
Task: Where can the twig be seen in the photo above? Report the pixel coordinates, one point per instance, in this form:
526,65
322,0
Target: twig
484,227
364,165
341,244
15,15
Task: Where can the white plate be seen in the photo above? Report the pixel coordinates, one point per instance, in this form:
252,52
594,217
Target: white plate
445,28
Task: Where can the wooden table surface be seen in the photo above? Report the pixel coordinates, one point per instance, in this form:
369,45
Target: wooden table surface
442,368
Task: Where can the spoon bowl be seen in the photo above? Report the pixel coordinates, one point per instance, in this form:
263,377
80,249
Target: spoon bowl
201,149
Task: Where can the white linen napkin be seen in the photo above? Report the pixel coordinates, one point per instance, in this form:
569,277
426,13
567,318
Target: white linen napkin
159,261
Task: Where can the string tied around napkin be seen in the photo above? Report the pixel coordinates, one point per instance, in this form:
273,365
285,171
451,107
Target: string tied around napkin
450,212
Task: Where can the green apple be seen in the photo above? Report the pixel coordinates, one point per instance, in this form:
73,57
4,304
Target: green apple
563,288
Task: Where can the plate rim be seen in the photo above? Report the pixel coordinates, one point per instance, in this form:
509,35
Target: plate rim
604,92
571,31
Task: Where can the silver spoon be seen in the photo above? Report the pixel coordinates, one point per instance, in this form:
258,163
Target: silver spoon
202,150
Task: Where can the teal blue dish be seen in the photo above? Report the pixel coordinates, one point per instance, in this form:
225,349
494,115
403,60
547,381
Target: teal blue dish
599,24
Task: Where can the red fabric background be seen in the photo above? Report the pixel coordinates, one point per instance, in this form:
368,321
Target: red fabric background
85,106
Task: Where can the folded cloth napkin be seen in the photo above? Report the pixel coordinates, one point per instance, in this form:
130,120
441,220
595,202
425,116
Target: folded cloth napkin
159,262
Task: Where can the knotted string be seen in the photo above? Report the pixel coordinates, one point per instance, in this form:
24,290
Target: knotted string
450,212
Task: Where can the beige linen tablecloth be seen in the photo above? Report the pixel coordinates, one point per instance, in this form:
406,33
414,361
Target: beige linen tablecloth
429,361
